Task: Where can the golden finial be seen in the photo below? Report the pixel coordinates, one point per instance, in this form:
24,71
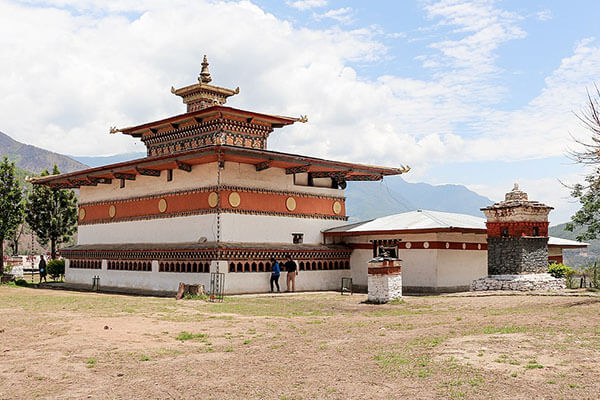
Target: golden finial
303,118
114,129
204,73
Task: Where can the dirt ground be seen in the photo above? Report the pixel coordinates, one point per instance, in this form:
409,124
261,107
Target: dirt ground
68,345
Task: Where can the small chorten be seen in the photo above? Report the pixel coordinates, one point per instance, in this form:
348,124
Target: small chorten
202,95
517,230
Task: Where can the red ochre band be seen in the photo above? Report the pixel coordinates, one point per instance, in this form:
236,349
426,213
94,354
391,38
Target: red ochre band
190,203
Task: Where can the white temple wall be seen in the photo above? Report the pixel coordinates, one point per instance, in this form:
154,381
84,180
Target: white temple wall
246,175
202,175
150,281
258,282
162,230
235,283
458,268
272,229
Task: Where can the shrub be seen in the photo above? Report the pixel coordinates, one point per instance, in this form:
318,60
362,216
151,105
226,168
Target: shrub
593,273
560,270
56,268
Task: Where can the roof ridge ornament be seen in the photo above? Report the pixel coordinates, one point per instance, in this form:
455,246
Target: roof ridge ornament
204,76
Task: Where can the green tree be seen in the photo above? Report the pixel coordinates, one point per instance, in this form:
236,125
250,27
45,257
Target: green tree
588,194
52,213
11,204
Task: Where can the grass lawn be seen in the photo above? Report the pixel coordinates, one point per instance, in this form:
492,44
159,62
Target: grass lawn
58,344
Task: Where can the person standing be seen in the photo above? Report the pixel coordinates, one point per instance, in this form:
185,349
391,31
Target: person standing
275,272
42,268
292,271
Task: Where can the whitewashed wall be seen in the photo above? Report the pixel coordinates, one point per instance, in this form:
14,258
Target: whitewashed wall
162,230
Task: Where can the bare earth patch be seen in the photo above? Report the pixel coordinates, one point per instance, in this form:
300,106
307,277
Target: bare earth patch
65,345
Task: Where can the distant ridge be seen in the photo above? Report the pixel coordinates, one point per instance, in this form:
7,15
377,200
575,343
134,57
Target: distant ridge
393,195
35,159
105,160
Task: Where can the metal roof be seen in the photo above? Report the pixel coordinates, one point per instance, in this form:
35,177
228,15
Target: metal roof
416,220
565,243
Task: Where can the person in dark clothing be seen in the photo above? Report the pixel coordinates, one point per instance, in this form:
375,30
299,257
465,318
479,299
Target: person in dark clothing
42,268
292,272
275,272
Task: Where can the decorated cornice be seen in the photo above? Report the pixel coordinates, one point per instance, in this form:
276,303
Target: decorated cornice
214,200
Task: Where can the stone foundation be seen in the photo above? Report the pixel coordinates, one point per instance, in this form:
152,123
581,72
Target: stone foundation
517,255
384,288
523,282
384,281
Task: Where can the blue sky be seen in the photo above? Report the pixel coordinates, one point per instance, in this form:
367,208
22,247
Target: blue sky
480,93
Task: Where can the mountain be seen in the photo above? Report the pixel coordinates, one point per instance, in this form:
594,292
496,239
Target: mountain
99,161
393,195
576,257
34,159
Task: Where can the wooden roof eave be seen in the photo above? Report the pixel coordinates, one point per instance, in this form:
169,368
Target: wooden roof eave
274,120
212,153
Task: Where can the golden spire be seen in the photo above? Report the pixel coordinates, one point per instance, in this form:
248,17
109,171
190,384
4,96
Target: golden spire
204,74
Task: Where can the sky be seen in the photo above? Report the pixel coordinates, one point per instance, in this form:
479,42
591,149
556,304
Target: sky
482,93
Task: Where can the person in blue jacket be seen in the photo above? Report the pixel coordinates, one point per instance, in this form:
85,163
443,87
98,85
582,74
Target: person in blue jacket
275,272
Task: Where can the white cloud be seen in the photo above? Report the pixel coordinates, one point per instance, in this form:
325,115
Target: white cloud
343,15
304,5
544,15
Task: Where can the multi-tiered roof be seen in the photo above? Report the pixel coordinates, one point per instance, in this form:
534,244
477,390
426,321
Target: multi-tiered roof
208,132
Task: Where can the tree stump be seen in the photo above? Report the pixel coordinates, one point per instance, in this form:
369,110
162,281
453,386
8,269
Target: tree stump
196,290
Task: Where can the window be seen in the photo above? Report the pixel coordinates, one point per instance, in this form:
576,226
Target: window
298,238
536,231
505,232
122,184
169,175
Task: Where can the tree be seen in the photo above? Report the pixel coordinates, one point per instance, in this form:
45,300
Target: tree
11,204
52,213
588,194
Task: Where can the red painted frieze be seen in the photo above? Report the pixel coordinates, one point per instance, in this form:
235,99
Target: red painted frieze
516,229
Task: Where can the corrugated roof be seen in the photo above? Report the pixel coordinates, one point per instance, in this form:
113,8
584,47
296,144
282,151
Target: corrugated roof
415,220
566,243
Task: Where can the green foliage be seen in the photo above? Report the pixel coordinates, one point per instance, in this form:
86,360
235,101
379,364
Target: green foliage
592,271
562,271
56,268
52,213
559,270
588,216
11,204
189,336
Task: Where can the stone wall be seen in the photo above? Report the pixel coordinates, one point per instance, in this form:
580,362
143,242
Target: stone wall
517,255
384,288
524,282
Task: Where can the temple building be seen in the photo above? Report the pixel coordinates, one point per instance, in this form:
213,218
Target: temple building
209,197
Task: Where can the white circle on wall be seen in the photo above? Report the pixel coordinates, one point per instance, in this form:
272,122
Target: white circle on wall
447,245
337,207
81,214
213,199
407,245
425,245
290,204
479,246
464,246
112,211
234,199
162,205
